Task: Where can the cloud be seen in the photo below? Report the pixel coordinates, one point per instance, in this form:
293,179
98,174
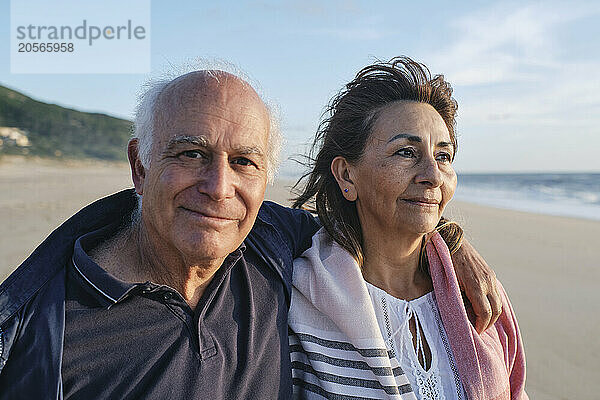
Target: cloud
529,96
507,43
507,66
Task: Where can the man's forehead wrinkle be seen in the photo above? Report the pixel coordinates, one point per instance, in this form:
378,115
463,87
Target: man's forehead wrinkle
225,117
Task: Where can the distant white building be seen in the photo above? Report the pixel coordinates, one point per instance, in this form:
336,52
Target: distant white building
15,136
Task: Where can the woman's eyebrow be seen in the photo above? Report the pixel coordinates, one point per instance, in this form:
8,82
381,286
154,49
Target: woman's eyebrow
411,138
417,139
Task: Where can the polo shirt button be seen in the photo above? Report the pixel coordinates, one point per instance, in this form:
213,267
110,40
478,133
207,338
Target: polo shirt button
167,296
146,288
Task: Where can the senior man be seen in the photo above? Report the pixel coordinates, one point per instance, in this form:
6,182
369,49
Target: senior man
179,288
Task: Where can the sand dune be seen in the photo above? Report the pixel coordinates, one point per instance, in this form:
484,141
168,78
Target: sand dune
548,265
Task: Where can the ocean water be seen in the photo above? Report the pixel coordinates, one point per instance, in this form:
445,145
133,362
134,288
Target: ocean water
565,194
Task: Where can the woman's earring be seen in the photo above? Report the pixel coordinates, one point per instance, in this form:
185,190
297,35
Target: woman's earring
350,196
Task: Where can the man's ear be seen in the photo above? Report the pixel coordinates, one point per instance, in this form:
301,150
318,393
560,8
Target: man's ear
138,172
342,172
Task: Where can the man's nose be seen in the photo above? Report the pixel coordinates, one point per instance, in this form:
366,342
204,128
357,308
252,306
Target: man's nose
219,181
429,173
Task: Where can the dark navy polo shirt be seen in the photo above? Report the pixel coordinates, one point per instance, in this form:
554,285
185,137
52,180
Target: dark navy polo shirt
142,341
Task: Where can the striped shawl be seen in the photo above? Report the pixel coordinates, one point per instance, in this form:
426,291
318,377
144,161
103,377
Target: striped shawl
338,352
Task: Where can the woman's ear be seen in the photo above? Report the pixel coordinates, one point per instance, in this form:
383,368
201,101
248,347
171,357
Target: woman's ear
342,172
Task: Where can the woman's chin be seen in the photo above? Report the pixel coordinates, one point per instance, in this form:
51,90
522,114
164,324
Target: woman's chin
420,226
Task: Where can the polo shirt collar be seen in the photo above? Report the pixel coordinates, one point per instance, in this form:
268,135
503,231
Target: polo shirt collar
108,286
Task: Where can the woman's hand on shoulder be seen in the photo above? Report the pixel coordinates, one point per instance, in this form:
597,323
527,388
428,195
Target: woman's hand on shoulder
478,281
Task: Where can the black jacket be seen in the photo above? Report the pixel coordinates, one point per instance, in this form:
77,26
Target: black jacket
32,299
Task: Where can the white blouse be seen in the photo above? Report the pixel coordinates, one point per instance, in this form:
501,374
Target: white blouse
440,381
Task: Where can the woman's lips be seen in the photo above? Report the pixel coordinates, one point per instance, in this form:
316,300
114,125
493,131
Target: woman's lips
422,202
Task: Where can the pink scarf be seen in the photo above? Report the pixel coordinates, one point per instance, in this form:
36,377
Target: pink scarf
491,365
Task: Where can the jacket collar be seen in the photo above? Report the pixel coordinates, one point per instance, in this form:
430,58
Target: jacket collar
55,252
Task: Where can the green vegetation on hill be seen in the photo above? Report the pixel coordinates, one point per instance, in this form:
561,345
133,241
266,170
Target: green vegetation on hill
55,131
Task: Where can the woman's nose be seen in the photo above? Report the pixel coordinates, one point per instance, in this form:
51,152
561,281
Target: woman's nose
429,173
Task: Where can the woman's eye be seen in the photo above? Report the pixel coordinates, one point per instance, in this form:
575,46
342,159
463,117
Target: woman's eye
406,152
444,157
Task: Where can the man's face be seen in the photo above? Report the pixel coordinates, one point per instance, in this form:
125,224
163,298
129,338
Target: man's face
206,181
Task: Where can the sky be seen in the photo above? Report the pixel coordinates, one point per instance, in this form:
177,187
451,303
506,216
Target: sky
526,74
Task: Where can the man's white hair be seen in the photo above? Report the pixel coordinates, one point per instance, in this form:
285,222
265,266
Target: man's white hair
148,100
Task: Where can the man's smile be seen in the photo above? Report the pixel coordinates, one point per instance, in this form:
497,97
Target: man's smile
208,217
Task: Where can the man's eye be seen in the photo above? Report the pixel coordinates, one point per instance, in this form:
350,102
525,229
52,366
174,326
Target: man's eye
406,152
444,157
192,154
243,161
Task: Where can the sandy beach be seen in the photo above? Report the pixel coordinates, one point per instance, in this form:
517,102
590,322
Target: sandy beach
548,265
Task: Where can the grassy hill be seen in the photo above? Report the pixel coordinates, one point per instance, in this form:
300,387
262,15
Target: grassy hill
54,131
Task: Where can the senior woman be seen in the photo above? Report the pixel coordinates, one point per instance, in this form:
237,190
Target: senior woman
376,311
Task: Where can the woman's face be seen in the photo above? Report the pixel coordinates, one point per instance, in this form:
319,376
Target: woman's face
405,177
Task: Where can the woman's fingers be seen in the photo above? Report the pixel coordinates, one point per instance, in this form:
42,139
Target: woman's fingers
496,305
483,313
